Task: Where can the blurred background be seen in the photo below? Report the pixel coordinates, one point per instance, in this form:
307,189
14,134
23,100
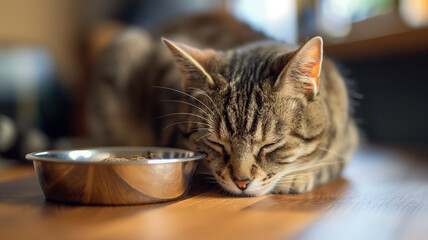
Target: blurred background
47,48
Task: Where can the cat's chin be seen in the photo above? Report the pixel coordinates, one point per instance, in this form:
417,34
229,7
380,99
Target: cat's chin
257,193
252,191
249,193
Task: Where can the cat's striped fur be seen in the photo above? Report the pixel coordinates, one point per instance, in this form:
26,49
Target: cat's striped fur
271,118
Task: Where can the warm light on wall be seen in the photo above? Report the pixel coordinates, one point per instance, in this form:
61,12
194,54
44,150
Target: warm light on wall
414,12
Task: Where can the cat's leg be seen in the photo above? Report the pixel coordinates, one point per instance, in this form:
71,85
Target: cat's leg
304,181
323,170
298,182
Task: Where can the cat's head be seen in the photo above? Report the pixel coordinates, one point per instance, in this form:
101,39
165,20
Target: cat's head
254,110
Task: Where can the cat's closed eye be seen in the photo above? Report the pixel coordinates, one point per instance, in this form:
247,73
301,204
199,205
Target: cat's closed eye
218,146
266,148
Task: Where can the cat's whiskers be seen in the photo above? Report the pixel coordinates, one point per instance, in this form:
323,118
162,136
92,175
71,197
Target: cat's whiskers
274,191
183,113
332,152
186,94
321,165
294,175
263,188
291,182
206,135
190,104
292,170
206,95
198,129
303,168
205,173
208,177
183,122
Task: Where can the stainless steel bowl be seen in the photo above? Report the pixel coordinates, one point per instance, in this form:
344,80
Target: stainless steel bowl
78,176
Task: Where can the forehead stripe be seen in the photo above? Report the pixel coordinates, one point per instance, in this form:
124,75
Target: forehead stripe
227,122
250,102
254,123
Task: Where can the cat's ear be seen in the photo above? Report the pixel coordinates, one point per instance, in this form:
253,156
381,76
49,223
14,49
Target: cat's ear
302,72
192,63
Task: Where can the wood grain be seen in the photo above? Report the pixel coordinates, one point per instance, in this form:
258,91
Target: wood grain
383,194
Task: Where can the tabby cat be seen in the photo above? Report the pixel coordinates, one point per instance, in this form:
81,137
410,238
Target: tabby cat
271,118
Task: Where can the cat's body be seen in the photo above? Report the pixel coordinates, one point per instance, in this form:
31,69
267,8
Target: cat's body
270,118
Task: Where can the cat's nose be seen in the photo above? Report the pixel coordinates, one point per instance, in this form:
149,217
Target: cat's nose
242,184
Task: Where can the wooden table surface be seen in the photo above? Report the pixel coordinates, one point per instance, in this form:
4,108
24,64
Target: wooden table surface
383,194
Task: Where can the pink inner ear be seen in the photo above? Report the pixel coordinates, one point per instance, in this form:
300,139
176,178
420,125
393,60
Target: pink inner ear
312,70
313,54
311,57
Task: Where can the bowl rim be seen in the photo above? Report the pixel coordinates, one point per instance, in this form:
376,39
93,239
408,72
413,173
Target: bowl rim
34,156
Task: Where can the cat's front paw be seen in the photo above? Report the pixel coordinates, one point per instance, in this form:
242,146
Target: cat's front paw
296,183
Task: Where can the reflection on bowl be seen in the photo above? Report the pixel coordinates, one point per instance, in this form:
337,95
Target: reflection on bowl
78,176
